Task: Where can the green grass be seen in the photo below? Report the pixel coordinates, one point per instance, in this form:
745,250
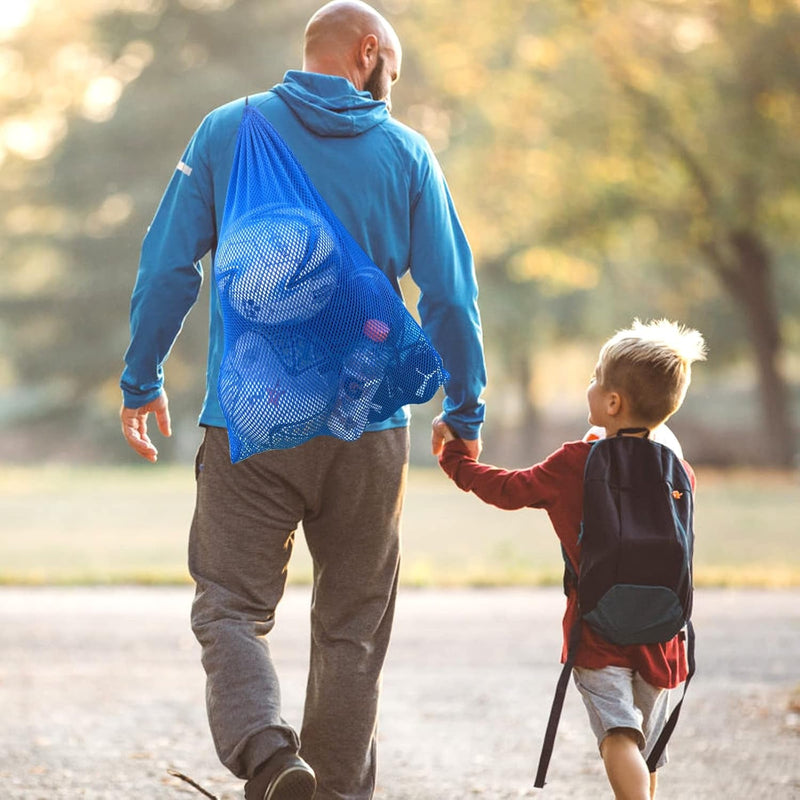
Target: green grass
69,525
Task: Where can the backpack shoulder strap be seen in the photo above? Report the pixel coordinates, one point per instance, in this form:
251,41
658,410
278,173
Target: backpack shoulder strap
570,580
669,727
558,704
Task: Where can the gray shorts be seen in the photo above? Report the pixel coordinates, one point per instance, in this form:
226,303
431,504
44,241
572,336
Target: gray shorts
618,697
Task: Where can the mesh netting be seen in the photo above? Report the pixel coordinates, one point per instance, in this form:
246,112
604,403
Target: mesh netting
316,339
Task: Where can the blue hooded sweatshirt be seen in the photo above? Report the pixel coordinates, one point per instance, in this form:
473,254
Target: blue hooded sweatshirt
382,181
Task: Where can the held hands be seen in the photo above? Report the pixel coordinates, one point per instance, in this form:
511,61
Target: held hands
134,426
442,434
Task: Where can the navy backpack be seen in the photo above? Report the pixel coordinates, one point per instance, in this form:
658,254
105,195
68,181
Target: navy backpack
634,580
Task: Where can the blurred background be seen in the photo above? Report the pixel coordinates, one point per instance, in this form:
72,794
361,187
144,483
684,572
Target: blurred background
609,160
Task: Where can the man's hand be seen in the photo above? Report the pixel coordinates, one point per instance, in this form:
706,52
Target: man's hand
443,433
134,425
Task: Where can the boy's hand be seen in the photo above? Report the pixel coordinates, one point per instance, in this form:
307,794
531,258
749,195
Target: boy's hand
443,433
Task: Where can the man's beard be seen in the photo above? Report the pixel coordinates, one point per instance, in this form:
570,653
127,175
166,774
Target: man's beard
374,84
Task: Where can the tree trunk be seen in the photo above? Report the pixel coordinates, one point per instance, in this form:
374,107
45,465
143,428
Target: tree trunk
530,428
520,445
749,279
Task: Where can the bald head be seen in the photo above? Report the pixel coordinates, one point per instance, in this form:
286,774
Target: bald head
350,39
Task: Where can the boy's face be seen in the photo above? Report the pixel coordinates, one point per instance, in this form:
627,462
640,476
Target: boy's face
597,397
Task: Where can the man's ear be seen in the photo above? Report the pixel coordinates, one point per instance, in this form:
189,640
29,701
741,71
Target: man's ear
368,51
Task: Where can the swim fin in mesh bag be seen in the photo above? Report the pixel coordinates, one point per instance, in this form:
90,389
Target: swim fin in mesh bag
317,342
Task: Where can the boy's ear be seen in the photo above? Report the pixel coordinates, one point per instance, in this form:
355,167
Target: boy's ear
613,404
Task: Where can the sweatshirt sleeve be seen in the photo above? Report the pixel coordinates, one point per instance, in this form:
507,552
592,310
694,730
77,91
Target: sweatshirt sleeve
442,267
170,273
535,487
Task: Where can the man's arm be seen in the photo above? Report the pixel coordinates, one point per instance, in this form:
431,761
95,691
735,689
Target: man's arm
167,285
442,267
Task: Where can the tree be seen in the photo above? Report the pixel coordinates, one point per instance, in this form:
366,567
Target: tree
651,141
101,99
713,88
607,159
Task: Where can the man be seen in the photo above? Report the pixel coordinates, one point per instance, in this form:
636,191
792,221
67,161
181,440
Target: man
386,187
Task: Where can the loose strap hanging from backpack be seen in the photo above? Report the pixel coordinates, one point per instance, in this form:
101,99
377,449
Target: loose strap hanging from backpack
558,704
669,727
561,690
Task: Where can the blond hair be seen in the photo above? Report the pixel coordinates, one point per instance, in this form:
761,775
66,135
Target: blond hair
650,365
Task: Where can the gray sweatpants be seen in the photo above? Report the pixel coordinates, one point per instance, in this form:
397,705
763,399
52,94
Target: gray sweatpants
349,498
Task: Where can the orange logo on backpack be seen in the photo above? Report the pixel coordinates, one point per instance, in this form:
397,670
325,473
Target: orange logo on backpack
677,495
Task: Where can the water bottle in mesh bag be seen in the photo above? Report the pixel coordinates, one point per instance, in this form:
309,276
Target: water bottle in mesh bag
362,372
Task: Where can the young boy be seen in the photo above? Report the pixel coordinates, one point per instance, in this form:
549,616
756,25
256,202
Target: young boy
640,381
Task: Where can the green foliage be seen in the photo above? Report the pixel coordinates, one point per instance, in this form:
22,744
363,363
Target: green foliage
630,151
609,159
137,81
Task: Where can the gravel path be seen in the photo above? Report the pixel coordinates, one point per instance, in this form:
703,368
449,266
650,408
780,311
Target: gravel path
101,692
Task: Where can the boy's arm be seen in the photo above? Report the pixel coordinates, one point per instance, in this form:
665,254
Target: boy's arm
504,488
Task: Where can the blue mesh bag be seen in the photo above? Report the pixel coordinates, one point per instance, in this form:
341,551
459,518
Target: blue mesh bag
317,342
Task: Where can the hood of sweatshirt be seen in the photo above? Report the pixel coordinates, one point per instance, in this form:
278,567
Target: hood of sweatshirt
329,105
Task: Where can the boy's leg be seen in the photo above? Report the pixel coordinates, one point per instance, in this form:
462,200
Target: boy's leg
353,537
625,767
610,696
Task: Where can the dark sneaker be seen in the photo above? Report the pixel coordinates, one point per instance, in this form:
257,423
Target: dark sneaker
285,776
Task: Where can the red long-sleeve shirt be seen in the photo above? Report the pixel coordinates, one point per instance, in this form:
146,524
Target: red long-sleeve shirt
556,485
